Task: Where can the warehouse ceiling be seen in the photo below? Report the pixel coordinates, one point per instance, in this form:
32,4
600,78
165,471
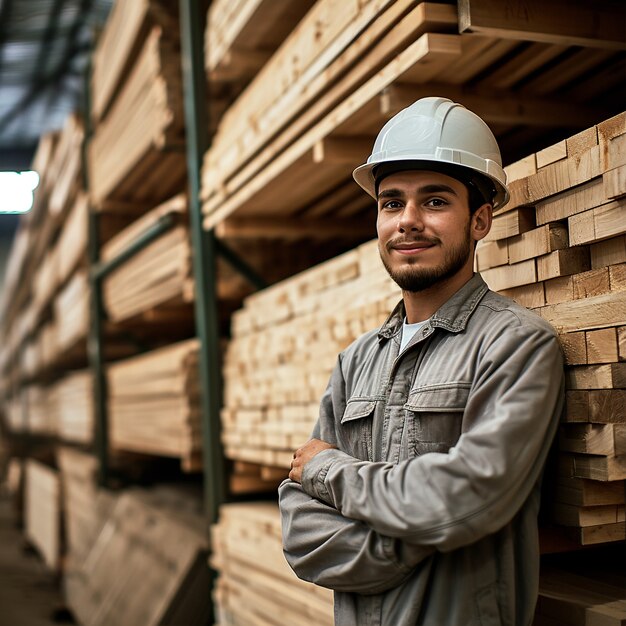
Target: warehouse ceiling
44,48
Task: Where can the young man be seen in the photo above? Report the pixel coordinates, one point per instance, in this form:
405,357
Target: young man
416,500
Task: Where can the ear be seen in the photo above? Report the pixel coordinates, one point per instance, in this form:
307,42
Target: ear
480,224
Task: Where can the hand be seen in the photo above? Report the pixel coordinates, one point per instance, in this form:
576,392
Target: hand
304,454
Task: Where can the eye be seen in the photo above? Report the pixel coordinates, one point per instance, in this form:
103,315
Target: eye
391,205
436,203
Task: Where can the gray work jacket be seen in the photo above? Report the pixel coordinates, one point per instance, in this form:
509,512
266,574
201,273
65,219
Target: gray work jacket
427,511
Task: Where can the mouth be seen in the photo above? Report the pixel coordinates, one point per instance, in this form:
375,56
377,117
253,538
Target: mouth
408,248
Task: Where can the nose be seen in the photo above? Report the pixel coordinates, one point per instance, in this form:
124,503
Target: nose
410,219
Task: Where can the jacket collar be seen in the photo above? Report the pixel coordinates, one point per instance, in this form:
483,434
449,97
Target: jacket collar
452,315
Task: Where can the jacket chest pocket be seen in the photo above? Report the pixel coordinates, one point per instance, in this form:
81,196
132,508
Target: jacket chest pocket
434,417
355,430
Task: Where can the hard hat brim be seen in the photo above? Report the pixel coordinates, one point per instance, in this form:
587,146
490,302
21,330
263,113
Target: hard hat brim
364,175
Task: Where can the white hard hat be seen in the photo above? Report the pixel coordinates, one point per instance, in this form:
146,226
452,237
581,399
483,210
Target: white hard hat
437,133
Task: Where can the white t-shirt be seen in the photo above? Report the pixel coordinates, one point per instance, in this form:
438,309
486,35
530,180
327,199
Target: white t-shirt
408,330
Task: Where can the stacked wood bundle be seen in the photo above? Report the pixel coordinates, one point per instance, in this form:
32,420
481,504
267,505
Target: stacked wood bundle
71,312
256,587
85,507
39,406
137,149
42,511
62,177
334,63
560,249
74,405
154,403
146,566
285,345
159,274
241,35
71,247
569,598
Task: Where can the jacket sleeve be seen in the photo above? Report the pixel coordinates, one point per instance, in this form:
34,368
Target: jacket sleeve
450,500
324,547
327,549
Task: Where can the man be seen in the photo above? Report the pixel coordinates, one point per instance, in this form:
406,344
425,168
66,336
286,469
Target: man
416,501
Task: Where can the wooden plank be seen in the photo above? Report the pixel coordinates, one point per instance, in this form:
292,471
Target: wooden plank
531,296
603,222
512,223
491,254
551,154
608,252
587,314
591,283
292,228
600,467
508,276
610,376
551,22
574,348
537,242
607,406
497,108
602,346
563,262
592,438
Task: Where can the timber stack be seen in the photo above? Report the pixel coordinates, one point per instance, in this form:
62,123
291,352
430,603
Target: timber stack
559,248
152,537
42,511
256,586
154,403
137,154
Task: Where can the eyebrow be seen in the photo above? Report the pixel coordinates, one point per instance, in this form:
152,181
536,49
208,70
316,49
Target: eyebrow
425,189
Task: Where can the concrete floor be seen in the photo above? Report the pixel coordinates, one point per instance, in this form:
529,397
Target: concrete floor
29,593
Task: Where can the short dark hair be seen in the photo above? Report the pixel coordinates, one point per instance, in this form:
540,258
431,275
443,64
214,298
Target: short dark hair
480,189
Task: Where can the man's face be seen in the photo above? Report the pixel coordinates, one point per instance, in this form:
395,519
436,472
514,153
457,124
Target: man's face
425,230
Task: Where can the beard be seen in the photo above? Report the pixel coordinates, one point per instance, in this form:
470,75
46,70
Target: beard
414,278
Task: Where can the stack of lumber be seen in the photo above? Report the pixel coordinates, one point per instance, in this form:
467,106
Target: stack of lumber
273,149
160,273
31,409
42,511
85,506
256,587
62,177
39,404
560,249
137,148
71,312
285,343
154,403
71,248
74,405
146,566
568,598
241,35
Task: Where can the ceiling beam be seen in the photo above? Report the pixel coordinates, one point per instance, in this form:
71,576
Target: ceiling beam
499,107
596,24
